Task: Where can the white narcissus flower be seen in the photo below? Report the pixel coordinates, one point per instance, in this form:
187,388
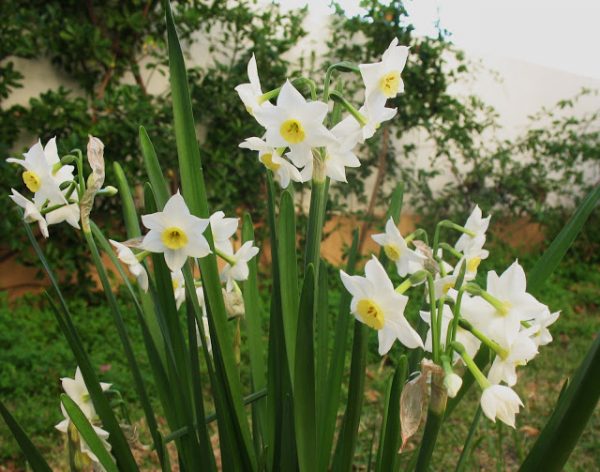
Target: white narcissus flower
452,382
63,427
443,285
340,153
127,256
39,175
295,123
176,233
222,229
271,158
382,79
178,282
499,401
76,389
478,225
407,261
200,295
31,213
251,92
541,335
502,323
375,115
238,271
470,342
519,352
376,304
69,213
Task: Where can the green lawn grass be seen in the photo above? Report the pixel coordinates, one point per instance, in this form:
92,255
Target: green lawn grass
34,356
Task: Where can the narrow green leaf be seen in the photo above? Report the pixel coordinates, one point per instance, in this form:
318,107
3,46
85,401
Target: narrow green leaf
88,434
314,228
32,455
346,444
336,366
553,255
304,384
468,447
153,169
569,418
288,275
117,438
252,320
322,343
390,440
130,216
194,192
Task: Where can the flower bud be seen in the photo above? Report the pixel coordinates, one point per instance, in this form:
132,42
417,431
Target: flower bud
452,382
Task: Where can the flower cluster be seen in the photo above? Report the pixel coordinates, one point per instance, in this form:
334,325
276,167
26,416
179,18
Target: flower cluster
297,145
51,182
178,234
76,390
462,316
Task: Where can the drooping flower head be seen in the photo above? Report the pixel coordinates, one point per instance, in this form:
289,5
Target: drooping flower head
376,304
396,249
126,255
238,271
499,401
272,159
31,213
76,389
176,233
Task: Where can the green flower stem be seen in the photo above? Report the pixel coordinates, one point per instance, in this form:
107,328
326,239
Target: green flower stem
475,289
316,216
446,364
493,345
404,286
49,209
269,95
338,98
71,189
451,225
418,232
308,82
477,374
79,162
140,256
448,248
435,417
451,334
226,257
342,67
435,341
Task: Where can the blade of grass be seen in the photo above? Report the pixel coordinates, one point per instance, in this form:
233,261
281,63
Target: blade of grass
88,434
119,443
569,418
554,254
31,453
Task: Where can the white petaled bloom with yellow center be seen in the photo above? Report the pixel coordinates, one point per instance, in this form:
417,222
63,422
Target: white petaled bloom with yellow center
76,389
126,255
375,115
499,317
43,174
251,93
295,123
176,233
376,304
518,353
383,79
472,258
477,225
443,285
271,158
500,401
238,269
470,342
31,213
407,260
